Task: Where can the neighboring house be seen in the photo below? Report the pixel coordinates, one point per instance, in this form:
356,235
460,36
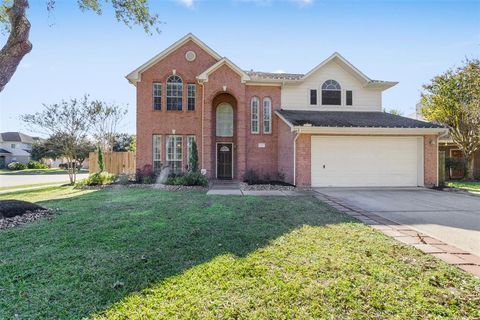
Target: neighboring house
323,128
451,149
15,146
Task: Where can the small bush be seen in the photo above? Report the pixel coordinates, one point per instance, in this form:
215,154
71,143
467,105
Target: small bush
189,179
97,179
123,179
251,176
16,166
145,175
32,164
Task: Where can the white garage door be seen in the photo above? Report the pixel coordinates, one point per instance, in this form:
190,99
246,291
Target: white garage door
341,161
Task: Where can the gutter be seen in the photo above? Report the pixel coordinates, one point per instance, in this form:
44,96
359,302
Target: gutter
368,130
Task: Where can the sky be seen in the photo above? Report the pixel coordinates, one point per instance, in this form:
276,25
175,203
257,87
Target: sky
77,53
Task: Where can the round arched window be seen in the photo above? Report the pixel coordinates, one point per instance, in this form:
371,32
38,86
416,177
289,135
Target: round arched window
331,93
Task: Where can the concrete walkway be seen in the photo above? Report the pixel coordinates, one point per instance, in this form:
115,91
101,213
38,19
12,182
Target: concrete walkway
233,188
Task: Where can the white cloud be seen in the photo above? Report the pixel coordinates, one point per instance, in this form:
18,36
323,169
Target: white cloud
186,3
303,3
279,71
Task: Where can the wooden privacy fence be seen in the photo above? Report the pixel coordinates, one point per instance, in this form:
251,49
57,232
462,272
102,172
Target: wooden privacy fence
115,162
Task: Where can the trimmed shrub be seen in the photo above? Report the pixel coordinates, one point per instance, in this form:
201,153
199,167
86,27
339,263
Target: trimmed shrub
189,179
97,179
32,164
16,166
146,175
251,177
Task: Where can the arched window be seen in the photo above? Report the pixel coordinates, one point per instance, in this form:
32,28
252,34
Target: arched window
224,119
331,93
267,115
174,93
254,115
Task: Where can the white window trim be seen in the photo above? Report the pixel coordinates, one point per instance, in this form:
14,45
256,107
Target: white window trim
175,156
154,149
269,113
174,97
156,83
217,133
189,85
342,90
257,120
189,146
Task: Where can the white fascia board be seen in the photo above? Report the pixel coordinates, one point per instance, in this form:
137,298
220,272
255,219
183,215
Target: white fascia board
369,131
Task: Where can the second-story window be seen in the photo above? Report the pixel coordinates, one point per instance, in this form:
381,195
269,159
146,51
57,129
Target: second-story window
191,90
254,113
331,93
224,121
349,97
174,93
157,96
313,97
267,115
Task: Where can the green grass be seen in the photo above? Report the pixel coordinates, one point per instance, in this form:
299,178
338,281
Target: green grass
36,171
30,185
150,254
467,185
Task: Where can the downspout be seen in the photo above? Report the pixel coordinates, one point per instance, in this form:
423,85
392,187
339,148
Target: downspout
295,157
203,112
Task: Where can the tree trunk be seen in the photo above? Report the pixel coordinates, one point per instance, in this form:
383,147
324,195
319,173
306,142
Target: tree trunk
17,45
470,169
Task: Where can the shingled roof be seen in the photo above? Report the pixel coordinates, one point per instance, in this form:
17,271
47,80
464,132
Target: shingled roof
274,75
352,119
17,137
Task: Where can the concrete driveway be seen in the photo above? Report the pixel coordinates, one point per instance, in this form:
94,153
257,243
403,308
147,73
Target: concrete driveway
450,217
11,180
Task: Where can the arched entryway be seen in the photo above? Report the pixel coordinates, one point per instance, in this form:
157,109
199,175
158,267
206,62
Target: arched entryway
224,109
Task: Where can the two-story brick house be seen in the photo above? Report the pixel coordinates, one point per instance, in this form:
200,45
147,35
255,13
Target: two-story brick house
323,128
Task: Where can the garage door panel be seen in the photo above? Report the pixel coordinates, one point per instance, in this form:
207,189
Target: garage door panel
365,161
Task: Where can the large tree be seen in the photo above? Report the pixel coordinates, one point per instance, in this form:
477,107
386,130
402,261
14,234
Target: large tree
453,99
67,124
106,118
13,18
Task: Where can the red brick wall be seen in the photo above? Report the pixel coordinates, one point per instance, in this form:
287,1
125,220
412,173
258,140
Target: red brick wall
285,150
262,160
224,76
430,155
162,122
303,160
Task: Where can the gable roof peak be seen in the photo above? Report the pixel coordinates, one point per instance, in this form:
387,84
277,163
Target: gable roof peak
135,76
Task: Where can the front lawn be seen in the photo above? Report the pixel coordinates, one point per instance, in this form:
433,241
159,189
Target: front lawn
467,185
149,254
37,171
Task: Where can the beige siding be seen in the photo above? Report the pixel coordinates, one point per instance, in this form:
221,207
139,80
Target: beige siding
297,97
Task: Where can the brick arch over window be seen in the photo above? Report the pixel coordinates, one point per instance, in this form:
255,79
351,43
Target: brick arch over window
222,103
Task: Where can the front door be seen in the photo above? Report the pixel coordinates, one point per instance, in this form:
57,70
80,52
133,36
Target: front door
458,172
224,160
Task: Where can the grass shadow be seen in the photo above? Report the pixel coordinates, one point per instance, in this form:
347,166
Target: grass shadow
104,245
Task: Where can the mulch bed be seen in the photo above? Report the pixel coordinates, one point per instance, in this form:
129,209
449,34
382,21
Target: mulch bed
16,212
261,187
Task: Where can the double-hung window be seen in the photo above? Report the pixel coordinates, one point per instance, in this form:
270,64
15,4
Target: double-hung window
191,91
267,115
157,152
190,140
174,93
254,113
174,153
157,96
